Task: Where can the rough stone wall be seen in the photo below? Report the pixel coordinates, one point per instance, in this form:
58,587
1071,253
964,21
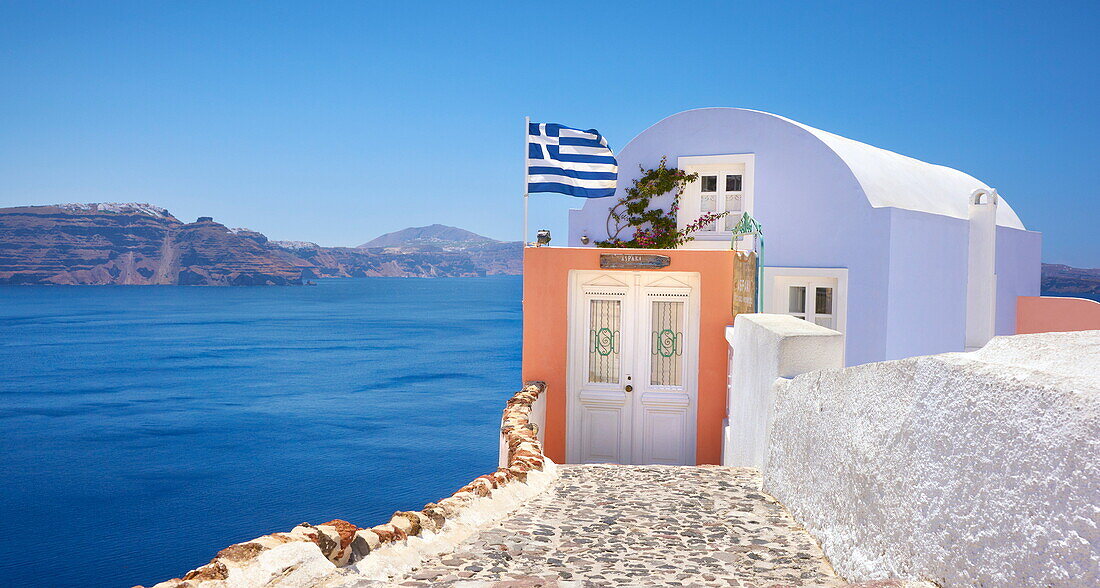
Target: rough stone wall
308,554
965,469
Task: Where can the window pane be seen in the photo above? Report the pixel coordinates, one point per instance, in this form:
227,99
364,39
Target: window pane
710,183
603,341
733,183
733,202
824,320
733,207
666,343
796,299
732,219
708,203
823,301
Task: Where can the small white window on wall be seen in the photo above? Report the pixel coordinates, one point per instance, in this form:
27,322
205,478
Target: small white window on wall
818,295
725,185
722,193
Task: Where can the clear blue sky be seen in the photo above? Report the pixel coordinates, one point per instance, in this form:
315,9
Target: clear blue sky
334,122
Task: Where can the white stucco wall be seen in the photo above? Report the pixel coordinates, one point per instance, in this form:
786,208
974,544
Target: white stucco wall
967,469
771,346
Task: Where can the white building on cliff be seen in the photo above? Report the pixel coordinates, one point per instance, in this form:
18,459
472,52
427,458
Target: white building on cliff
905,257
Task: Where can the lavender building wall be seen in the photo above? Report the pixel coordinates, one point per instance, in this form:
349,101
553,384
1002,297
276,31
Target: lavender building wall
1019,271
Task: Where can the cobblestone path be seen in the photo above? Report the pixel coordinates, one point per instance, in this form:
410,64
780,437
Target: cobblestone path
636,526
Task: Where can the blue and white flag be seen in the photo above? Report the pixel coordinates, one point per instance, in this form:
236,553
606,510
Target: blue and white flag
569,161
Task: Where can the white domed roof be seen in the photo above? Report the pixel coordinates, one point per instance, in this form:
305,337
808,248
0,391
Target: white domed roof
893,180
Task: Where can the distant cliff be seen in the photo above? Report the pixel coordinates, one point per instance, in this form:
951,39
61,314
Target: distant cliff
489,255
135,243
1064,280
440,236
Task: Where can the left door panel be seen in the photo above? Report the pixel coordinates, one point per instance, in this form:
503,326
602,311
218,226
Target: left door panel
603,344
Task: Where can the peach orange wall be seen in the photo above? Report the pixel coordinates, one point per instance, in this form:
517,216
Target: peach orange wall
1045,314
545,334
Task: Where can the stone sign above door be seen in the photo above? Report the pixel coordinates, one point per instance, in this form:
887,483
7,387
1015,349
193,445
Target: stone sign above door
633,261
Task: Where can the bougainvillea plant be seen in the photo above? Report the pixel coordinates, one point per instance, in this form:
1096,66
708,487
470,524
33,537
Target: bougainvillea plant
653,228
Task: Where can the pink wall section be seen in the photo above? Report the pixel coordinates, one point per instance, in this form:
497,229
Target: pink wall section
1045,314
545,334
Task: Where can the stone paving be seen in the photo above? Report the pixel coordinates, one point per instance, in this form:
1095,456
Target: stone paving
637,526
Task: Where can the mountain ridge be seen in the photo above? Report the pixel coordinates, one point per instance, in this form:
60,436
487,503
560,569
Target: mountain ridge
144,244
435,233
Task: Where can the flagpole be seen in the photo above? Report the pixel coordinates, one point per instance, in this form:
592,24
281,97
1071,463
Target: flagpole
526,133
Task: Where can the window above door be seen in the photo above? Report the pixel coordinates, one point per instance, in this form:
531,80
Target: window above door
725,184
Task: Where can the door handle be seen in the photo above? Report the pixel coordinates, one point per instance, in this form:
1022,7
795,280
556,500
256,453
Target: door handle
629,388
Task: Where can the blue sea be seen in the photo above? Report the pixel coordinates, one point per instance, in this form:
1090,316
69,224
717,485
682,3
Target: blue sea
1095,297
145,428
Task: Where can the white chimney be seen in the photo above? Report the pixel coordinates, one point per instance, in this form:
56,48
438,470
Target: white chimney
981,274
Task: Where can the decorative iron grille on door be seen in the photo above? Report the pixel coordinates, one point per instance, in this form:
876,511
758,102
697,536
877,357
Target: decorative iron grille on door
605,324
667,343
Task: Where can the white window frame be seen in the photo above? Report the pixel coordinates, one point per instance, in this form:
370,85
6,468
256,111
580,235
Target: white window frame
715,165
777,279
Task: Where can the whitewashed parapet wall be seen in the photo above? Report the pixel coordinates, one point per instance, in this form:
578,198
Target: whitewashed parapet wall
965,469
764,347
340,554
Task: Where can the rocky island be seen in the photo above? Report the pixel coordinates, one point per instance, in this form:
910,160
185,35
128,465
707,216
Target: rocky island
143,244
1064,280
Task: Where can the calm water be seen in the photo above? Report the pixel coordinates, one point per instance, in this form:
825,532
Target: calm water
1095,297
145,428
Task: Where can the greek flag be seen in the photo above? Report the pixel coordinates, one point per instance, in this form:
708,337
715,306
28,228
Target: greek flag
569,161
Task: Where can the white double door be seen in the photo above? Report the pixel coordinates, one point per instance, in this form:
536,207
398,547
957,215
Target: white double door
633,367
